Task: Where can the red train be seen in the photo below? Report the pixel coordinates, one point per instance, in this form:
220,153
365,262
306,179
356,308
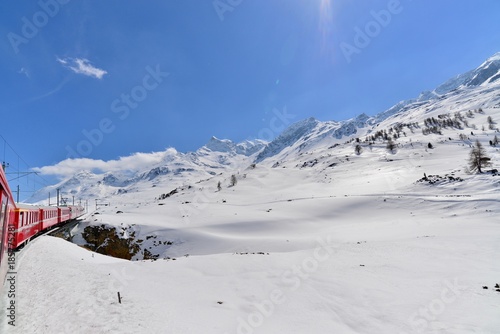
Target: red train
20,222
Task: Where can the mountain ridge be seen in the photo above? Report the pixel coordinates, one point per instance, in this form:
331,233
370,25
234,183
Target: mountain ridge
222,155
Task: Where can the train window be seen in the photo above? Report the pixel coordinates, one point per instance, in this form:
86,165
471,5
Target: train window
3,224
3,210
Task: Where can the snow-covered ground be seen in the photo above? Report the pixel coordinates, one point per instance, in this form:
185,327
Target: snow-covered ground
313,239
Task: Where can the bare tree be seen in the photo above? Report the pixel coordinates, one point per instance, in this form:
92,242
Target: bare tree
478,158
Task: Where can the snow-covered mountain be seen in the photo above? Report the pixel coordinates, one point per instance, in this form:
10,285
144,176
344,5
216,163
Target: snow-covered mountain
475,89
488,72
175,168
246,148
368,225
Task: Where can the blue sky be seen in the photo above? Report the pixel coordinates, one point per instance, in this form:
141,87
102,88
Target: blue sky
194,68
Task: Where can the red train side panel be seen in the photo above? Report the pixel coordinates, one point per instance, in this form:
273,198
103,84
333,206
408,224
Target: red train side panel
76,211
50,216
7,207
27,223
19,223
64,214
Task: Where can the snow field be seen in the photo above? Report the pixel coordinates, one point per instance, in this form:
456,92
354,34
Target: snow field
326,241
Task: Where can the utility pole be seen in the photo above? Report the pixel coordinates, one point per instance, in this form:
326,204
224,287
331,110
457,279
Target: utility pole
58,196
49,198
73,200
19,175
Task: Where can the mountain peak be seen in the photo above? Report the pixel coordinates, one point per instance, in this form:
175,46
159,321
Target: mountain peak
246,147
288,137
487,72
82,175
495,57
220,145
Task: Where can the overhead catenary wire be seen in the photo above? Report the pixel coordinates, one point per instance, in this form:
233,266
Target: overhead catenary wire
16,170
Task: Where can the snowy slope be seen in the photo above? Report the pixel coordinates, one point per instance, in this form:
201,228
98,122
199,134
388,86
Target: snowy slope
313,238
472,90
174,168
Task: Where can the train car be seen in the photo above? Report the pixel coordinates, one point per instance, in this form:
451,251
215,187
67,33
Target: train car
28,221
21,222
64,213
7,206
76,211
81,211
50,216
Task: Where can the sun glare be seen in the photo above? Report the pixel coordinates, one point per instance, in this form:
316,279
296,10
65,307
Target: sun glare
325,24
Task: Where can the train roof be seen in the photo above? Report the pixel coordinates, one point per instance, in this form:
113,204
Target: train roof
34,206
28,206
45,207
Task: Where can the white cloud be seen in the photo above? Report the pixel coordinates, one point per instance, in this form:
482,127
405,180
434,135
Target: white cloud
82,66
134,162
24,71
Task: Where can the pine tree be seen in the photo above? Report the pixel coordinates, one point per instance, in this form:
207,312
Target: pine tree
233,180
358,149
219,187
478,158
491,124
391,146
